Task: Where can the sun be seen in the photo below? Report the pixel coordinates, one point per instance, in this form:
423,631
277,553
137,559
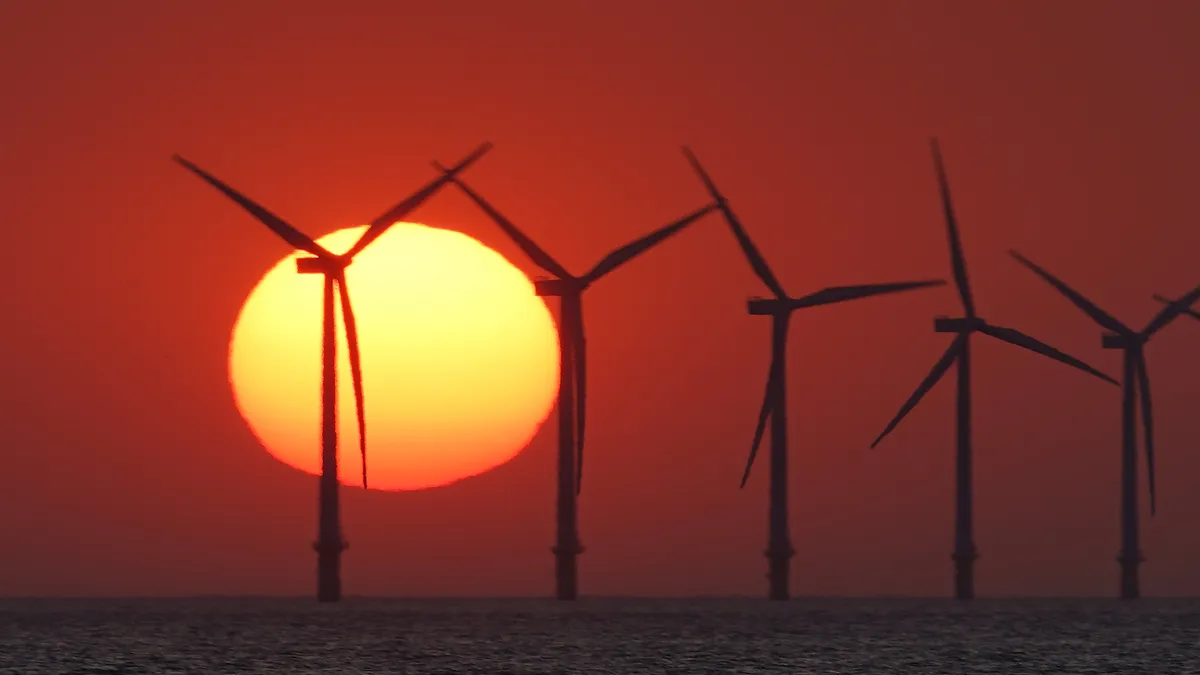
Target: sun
460,359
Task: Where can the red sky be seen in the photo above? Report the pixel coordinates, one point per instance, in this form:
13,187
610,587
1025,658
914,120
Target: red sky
1069,131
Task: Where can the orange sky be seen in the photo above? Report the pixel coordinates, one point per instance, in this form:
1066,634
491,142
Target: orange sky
1069,130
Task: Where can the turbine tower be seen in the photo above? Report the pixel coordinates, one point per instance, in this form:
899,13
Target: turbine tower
330,544
959,354
1134,377
780,307
572,387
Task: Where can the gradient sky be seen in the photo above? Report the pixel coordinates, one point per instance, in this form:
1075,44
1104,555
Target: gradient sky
1069,131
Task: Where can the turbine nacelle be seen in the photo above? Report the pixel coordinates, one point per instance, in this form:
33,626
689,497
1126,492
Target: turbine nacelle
557,287
759,306
959,324
320,265
1122,341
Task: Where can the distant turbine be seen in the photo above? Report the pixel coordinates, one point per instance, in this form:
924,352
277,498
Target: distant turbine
1134,377
330,543
572,388
1166,301
959,353
779,547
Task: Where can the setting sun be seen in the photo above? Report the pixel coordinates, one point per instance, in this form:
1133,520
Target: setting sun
460,359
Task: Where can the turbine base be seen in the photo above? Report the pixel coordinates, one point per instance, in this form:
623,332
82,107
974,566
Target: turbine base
778,578
964,575
566,572
329,570
330,547
1130,583
785,552
779,571
959,556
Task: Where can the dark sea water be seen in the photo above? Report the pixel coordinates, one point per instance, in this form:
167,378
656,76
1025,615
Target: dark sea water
599,636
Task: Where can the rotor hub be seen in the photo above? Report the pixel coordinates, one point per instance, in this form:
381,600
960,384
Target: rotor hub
320,265
1122,340
960,324
768,306
556,287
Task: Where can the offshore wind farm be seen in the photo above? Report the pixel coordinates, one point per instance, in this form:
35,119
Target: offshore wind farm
572,383
572,338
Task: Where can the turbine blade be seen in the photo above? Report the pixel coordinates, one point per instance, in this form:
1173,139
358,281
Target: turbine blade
633,249
579,353
1168,314
1016,337
355,370
278,225
1148,425
1098,315
757,262
523,242
412,202
764,414
957,260
939,369
1166,301
704,177
837,294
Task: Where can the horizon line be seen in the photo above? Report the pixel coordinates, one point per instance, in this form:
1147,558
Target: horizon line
421,598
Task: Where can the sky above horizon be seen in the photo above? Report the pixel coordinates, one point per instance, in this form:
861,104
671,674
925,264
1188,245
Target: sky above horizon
1068,131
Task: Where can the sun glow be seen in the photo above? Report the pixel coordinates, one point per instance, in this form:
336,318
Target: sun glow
460,359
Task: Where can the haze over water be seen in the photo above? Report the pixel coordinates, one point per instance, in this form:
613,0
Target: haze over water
626,636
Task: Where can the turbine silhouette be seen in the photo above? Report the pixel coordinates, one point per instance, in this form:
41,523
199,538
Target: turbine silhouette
779,308
1134,378
330,544
1166,301
572,389
958,353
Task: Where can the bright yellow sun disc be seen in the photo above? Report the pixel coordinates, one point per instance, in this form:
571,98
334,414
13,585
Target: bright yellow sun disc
459,355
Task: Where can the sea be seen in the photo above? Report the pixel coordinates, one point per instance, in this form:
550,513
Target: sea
620,636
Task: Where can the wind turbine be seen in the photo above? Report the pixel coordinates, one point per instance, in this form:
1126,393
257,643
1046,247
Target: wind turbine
779,547
330,544
959,354
572,386
1166,301
1134,377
